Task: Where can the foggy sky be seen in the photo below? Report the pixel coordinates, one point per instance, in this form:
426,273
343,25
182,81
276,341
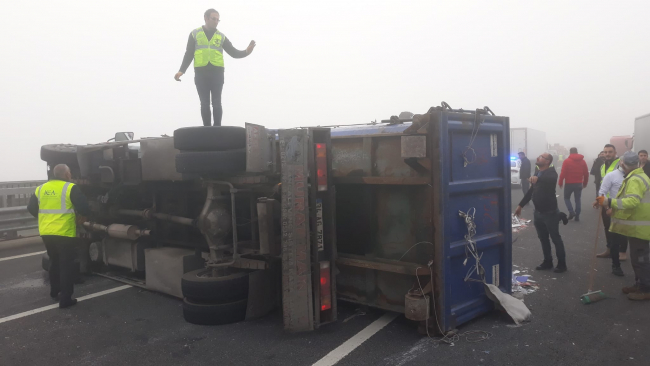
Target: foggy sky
79,71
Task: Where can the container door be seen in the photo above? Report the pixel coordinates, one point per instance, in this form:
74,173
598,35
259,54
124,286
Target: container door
472,177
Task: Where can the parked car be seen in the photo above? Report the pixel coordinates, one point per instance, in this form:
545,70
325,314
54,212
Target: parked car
515,165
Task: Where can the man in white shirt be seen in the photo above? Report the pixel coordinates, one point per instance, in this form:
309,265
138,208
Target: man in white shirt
609,188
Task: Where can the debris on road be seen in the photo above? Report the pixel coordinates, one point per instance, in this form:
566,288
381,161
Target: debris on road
519,224
523,284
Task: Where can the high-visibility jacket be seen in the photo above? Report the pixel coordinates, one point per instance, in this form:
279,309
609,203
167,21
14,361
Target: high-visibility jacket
55,210
631,207
208,50
611,168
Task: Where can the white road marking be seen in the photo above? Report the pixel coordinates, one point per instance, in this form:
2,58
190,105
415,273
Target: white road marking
54,306
348,346
21,256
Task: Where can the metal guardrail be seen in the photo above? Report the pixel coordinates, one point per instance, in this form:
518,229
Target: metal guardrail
14,217
14,194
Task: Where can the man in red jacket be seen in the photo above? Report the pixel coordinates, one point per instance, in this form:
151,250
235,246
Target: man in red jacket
576,174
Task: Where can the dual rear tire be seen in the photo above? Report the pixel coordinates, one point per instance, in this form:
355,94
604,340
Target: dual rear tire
210,300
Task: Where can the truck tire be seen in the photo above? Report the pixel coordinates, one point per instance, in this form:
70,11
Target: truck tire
45,262
199,286
214,314
210,138
211,162
60,154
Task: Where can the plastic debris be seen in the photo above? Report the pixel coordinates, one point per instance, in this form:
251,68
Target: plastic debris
519,224
523,284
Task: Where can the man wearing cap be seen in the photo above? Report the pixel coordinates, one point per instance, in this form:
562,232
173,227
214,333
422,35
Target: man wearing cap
630,212
611,184
524,171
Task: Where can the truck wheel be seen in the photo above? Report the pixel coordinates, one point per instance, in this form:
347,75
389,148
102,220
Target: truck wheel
200,286
45,262
210,138
60,154
214,314
211,162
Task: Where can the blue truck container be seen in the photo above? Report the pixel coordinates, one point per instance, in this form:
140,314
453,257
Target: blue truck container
401,187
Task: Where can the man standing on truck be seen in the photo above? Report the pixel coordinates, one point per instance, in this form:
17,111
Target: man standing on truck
610,163
547,215
524,171
575,172
206,45
54,204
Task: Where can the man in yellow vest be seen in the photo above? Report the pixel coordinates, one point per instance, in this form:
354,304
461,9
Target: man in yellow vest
54,204
206,45
609,165
630,212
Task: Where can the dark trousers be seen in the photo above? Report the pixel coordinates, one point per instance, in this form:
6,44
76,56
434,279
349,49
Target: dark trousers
640,258
548,224
209,86
525,185
616,243
62,251
576,190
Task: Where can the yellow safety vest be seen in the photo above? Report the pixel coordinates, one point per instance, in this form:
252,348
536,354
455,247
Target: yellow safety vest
208,50
55,210
611,168
632,206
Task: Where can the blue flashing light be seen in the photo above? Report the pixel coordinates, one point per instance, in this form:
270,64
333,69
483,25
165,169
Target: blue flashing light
513,158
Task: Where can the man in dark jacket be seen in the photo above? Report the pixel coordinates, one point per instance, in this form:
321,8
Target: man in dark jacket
576,174
595,170
524,171
546,217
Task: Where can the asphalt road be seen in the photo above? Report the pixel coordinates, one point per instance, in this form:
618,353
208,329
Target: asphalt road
138,327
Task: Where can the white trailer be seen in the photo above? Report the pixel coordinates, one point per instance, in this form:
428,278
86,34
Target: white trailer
530,141
642,133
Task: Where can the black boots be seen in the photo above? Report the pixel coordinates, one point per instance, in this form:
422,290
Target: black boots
561,266
545,265
617,271
67,303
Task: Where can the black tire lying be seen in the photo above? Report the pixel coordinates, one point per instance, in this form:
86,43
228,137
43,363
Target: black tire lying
60,154
210,138
214,314
45,262
232,287
211,162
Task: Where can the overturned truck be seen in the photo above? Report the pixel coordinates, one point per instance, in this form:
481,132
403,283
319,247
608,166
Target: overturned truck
409,215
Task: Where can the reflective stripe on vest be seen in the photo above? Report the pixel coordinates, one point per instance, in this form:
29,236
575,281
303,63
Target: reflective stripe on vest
55,210
208,50
633,222
611,168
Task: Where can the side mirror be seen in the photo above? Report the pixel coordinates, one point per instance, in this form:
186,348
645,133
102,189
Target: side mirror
123,136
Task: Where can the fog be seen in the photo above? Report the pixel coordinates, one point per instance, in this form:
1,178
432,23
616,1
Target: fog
79,71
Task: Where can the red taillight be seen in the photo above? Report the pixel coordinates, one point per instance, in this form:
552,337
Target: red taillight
321,166
325,286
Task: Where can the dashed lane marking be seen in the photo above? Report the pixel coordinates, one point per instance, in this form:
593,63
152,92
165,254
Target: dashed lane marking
54,306
348,346
21,256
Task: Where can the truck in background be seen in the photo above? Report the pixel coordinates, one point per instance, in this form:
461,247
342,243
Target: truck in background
622,143
530,141
642,132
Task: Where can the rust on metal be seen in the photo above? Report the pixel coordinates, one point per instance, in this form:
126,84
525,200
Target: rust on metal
297,298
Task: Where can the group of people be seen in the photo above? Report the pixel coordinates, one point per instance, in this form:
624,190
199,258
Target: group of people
622,186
